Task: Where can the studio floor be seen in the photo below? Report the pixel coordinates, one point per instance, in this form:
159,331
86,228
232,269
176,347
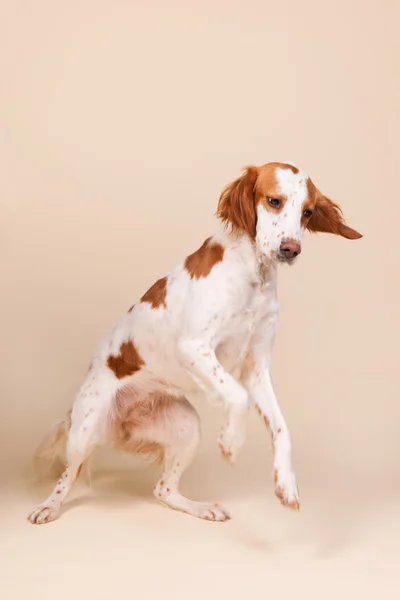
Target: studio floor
113,540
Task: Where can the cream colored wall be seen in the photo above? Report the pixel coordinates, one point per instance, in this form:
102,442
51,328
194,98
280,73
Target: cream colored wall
122,121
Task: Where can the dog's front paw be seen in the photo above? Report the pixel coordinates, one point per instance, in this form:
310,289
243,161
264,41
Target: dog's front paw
43,514
286,488
233,431
230,441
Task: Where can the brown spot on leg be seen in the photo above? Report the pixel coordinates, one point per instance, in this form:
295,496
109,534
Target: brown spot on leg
200,263
157,294
127,362
227,455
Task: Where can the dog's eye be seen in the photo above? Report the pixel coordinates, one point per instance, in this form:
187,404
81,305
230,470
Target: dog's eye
307,213
274,202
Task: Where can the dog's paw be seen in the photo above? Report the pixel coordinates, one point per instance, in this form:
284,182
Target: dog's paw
43,514
213,512
227,451
230,441
286,488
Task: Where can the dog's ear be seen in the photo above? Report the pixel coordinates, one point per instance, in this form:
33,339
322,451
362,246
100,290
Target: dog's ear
236,206
327,217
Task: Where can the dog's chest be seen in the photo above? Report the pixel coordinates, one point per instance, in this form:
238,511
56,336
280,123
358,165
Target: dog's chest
242,322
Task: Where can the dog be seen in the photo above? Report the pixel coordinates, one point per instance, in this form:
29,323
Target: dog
209,327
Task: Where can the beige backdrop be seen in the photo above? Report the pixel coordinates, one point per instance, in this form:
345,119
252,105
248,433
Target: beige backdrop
120,124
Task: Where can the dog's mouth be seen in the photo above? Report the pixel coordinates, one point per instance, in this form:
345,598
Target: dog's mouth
281,258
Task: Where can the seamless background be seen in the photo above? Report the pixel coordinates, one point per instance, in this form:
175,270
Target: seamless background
120,124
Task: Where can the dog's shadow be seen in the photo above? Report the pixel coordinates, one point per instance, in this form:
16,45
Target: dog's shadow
330,521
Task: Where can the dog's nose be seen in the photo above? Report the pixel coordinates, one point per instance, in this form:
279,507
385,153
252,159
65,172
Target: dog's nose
290,248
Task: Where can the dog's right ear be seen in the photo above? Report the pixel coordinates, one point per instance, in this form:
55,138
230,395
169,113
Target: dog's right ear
236,206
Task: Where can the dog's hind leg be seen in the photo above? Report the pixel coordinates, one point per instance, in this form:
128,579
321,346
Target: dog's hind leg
170,426
89,429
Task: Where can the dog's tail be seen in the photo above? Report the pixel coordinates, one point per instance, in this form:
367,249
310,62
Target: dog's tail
49,459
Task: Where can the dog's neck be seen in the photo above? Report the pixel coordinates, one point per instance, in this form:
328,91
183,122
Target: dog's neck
262,269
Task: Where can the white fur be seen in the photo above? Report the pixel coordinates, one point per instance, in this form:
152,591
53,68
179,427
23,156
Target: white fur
215,336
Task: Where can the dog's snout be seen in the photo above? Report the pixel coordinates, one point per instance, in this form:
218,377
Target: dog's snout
290,248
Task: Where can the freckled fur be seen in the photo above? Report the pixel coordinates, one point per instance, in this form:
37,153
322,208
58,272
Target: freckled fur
215,339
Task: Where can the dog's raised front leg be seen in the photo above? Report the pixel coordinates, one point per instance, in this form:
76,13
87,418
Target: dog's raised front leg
257,380
198,358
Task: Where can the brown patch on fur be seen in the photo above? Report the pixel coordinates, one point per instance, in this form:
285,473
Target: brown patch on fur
313,193
200,263
131,308
79,470
310,202
236,206
327,216
157,294
127,362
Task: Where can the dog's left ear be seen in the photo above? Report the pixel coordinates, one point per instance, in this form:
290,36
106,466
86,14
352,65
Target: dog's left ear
327,217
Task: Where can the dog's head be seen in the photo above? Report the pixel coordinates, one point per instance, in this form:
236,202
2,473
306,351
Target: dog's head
274,204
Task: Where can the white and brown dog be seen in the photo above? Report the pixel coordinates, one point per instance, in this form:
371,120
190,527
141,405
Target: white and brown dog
209,326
